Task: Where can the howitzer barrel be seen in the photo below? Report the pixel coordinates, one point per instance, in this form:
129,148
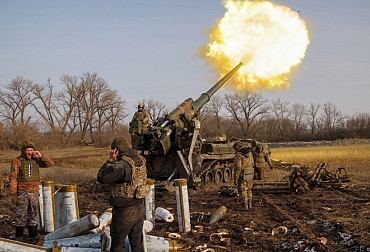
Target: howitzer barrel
205,97
190,108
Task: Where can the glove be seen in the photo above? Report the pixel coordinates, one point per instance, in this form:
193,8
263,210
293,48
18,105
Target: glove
271,167
14,199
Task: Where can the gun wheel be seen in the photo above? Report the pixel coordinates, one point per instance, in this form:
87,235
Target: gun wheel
227,175
208,178
218,176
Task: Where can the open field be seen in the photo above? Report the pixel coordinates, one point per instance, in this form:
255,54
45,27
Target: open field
355,158
339,215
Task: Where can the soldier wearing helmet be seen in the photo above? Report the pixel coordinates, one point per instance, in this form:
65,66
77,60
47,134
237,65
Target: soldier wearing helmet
140,120
243,177
261,157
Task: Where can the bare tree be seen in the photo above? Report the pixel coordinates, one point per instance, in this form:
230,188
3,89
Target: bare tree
298,112
359,125
312,117
115,113
214,108
331,117
246,108
281,113
156,109
15,102
45,104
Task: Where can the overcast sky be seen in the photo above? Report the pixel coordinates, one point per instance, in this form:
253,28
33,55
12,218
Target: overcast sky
148,49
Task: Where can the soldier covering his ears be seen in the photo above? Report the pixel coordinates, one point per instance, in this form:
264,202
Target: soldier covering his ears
24,180
125,172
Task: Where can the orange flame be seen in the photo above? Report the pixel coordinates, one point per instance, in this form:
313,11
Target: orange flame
269,39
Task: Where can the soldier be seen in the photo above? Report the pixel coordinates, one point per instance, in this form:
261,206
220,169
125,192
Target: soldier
24,188
261,157
243,178
140,120
125,171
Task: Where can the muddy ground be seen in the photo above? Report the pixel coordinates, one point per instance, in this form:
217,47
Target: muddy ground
339,216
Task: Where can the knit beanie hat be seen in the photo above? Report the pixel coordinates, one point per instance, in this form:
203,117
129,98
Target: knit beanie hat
121,144
27,144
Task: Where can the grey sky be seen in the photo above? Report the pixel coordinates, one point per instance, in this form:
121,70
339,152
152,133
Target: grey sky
148,49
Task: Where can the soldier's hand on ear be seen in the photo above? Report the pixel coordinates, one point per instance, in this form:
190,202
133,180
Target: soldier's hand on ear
36,154
113,154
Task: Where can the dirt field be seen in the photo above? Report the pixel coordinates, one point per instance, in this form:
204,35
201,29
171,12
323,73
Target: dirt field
341,216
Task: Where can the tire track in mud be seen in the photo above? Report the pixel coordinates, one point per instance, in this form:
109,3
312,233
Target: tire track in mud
331,214
312,238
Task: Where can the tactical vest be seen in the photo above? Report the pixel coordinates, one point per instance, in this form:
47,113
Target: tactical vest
29,170
248,174
247,170
247,167
137,187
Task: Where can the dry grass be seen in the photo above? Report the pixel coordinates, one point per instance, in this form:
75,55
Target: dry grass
82,163
72,165
355,158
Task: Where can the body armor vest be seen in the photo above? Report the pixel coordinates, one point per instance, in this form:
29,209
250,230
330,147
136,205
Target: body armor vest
247,167
137,187
29,170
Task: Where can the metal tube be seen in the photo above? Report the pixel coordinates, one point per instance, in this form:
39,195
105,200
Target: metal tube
78,227
40,212
83,241
105,219
11,246
48,204
182,199
150,201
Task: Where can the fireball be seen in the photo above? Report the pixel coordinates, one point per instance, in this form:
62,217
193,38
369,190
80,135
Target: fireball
269,39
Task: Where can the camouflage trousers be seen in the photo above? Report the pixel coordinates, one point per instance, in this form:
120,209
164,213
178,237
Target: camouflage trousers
245,189
26,211
259,173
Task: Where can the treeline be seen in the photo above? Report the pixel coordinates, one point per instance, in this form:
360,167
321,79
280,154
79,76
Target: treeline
85,110
252,116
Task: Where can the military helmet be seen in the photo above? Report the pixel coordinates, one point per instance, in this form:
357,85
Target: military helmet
141,105
238,146
259,147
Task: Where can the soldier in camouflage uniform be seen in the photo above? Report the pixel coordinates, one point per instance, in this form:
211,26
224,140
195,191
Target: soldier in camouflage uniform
140,120
261,157
125,171
24,188
243,177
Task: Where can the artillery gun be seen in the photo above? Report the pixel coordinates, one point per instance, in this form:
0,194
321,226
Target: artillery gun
173,147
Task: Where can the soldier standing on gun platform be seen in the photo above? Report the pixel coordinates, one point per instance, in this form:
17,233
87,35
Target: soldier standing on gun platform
260,159
24,180
141,119
125,171
243,178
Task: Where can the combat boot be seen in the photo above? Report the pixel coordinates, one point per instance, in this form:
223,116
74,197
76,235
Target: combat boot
19,234
250,204
246,205
32,233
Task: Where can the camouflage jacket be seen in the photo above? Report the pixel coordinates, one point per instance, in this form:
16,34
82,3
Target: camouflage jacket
261,158
16,183
142,116
242,161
